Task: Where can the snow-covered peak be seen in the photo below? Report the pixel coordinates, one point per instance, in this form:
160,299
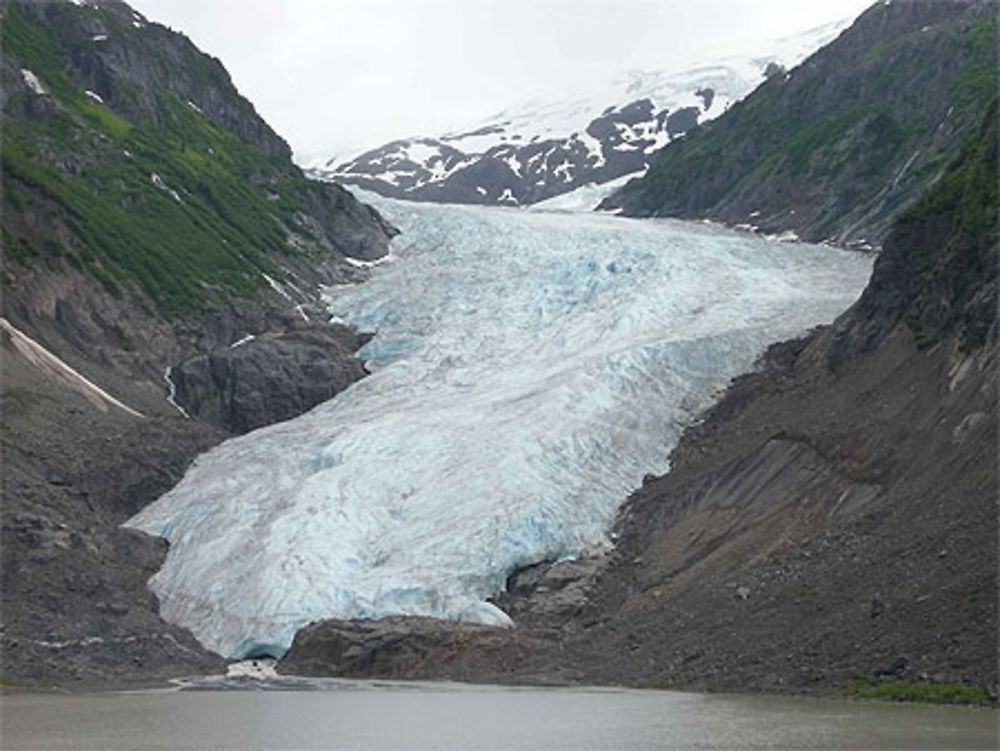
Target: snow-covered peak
668,88
549,145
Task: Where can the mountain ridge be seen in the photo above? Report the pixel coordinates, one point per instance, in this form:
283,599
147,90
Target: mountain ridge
836,147
550,145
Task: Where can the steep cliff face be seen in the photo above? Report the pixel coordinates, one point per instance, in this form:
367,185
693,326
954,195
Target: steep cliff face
269,378
938,268
831,519
150,220
835,148
130,62
152,172
148,211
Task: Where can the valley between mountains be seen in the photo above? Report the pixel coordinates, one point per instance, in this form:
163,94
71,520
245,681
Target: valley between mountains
249,413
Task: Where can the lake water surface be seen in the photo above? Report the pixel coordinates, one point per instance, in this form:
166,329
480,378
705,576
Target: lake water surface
448,717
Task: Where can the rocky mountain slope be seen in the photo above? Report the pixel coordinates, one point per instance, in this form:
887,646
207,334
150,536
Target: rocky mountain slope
552,145
835,148
831,520
151,222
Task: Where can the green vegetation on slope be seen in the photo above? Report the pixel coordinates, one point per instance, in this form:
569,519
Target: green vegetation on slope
951,236
175,205
938,270
928,693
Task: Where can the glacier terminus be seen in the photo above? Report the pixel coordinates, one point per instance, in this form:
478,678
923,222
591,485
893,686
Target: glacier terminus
528,369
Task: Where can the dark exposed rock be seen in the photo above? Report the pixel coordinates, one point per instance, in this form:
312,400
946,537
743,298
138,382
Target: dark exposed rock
550,592
878,607
396,648
682,120
268,379
773,70
896,669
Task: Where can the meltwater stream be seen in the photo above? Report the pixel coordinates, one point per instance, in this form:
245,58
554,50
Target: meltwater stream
529,368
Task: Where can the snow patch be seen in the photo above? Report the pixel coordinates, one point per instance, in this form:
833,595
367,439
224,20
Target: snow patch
158,182
421,151
172,392
594,148
244,340
50,365
94,95
32,81
87,641
277,287
564,170
514,163
362,264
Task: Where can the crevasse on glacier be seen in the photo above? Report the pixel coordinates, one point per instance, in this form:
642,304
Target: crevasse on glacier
528,370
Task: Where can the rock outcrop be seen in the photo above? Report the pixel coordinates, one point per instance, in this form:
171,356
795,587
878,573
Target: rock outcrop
270,378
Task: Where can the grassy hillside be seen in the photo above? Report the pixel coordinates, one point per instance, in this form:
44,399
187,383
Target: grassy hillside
118,170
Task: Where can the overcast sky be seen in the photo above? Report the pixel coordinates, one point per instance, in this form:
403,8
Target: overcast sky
335,75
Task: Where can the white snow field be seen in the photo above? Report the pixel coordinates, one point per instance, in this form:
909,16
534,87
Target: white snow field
528,370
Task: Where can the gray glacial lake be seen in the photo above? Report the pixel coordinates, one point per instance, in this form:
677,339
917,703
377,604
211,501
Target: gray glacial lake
448,717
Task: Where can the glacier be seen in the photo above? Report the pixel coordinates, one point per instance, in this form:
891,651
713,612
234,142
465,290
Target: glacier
528,369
